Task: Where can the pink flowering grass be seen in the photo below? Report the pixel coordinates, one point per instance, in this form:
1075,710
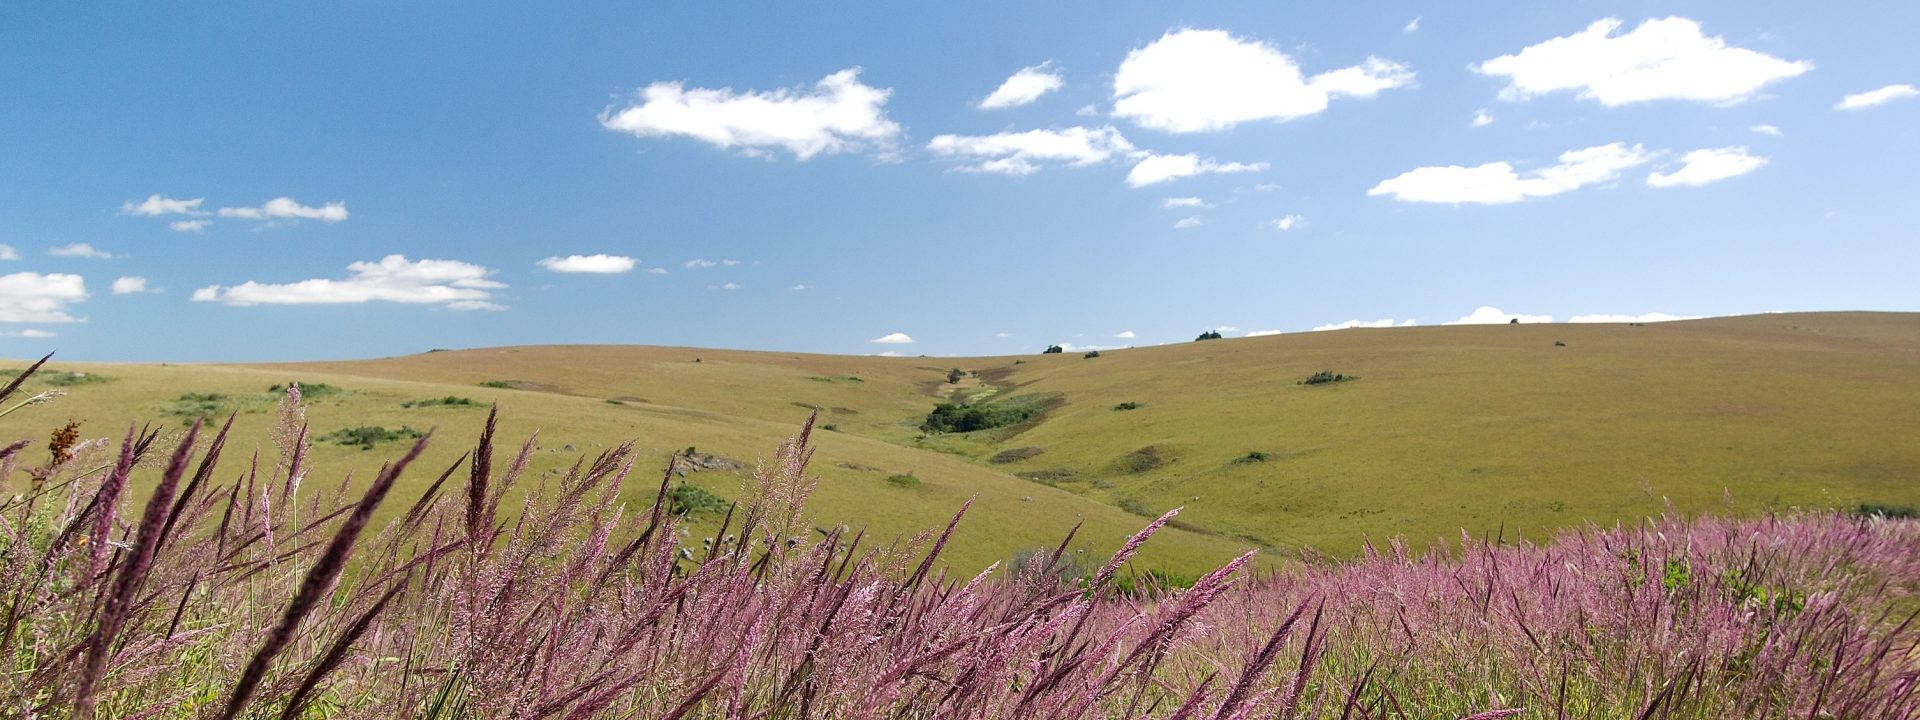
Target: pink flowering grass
247,593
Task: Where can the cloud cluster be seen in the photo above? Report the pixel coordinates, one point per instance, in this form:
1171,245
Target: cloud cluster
838,114
157,205
452,284
1489,315
1663,59
30,297
1023,153
129,285
1497,182
80,250
1706,165
1204,80
1155,169
600,263
286,208
1381,323
1024,87
896,338
1871,98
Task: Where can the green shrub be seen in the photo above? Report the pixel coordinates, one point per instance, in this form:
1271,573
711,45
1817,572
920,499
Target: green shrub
366,436
903,480
1053,350
448,401
964,417
1128,405
1209,335
308,391
954,375
830,427
70,379
1091,354
1898,512
686,499
498,384
1254,456
1327,376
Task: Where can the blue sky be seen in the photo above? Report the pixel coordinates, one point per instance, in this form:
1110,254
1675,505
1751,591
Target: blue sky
262,181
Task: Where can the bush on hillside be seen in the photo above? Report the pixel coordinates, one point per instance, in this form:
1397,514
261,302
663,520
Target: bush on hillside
1327,376
1209,335
366,436
1128,405
903,480
954,375
1091,354
965,417
1053,350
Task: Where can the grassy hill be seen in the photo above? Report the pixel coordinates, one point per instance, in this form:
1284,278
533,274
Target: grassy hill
1515,429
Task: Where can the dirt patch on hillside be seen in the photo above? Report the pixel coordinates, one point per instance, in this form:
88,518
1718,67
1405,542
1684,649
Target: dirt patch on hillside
699,461
844,411
858,467
1144,459
1015,455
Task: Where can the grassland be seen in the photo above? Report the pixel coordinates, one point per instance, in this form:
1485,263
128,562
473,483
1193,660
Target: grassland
1494,429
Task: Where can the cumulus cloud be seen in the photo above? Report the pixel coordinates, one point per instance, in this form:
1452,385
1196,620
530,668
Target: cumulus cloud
1188,222
798,288
656,271
596,263
189,225
1651,317
1489,315
80,250
1205,80
1481,118
1766,130
156,205
1154,169
1412,26
129,284
1024,87
8,253
700,263
1263,333
1286,222
1181,202
1124,335
451,283
27,333
1024,153
838,114
1870,98
724,286
286,208
30,297
1496,182
1706,165
1381,323
1665,59
897,338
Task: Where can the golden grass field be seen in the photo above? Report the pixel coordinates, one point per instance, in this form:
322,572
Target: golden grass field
1489,429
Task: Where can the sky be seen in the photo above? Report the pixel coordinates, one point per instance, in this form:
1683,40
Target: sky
266,181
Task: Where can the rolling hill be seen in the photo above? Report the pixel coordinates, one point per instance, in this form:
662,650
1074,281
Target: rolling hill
1491,429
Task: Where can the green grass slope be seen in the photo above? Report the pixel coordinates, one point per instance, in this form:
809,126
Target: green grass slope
1519,429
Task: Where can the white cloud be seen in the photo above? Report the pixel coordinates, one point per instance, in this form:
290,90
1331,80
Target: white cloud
1087,111
1263,333
1286,222
1481,118
286,208
1124,335
1870,98
30,297
1766,130
160,205
1706,165
889,353
129,284
1203,80
1162,168
80,250
595,263
1412,26
898,338
838,114
1381,323
455,284
700,263
1024,87
1181,202
656,271
1642,318
729,263
798,288
726,286
28,333
1489,315
1023,153
1496,182
1666,59
8,253
189,225
1188,222
1073,348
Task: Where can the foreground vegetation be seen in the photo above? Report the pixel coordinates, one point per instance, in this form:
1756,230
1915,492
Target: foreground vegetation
276,594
